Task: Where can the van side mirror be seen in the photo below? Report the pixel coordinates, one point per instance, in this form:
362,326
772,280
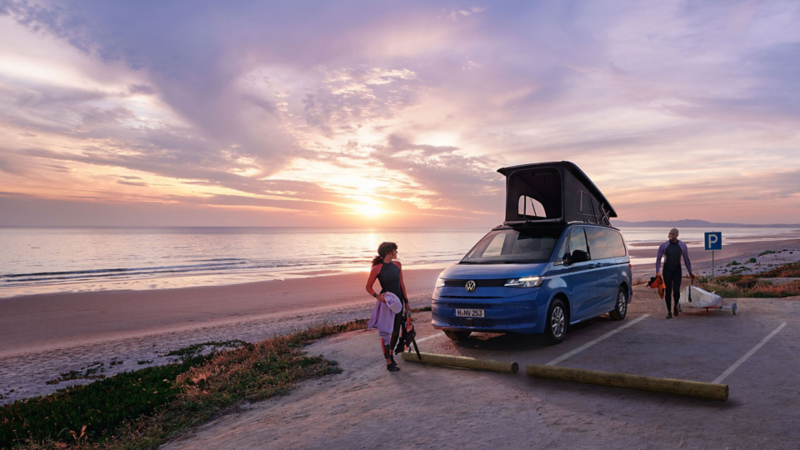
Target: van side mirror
578,256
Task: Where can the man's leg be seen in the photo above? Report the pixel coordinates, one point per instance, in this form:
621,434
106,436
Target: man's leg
668,290
676,290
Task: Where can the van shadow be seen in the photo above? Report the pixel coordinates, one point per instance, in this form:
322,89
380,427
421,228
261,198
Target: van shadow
513,342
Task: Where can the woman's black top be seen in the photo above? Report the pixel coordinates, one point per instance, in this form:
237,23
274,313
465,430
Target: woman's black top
389,278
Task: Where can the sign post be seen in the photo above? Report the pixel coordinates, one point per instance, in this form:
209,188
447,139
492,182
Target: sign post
713,241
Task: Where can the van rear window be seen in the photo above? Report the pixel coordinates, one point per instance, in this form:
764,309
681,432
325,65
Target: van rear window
511,246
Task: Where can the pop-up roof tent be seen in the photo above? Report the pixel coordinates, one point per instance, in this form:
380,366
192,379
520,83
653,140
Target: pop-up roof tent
554,192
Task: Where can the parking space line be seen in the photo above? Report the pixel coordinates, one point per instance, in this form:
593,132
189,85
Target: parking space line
748,354
430,337
587,345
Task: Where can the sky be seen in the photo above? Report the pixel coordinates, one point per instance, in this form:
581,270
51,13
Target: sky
392,113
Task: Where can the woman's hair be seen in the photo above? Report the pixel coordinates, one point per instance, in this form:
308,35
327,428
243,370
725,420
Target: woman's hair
383,250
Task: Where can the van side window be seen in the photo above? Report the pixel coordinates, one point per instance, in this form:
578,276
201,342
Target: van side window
563,250
605,243
601,243
617,244
577,241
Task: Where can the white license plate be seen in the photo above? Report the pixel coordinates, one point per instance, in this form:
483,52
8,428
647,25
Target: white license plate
469,313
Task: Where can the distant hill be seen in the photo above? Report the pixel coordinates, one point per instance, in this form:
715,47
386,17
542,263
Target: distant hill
690,223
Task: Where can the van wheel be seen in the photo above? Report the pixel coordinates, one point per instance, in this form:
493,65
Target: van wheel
457,335
621,308
556,326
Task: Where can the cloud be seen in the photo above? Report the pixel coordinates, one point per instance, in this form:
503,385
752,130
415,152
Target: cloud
317,100
456,181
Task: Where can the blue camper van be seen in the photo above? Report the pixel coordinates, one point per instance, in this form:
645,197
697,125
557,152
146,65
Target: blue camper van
555,261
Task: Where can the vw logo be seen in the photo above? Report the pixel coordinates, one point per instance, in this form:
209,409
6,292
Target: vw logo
470,286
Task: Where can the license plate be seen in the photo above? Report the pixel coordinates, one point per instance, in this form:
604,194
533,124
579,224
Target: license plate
469,313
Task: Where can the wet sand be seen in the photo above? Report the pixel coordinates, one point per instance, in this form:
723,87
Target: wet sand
52,321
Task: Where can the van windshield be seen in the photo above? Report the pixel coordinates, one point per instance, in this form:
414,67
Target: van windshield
512,246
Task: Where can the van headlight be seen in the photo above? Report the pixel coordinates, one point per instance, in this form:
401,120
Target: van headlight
525,282
439,282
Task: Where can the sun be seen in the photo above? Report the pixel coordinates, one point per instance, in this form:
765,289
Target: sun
370,210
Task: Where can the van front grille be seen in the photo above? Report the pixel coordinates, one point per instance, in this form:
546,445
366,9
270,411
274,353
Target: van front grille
478,283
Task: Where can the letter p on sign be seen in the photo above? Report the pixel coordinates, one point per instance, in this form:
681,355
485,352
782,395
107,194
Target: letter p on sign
713,240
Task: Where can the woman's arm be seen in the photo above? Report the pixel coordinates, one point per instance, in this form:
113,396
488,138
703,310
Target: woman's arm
373,274
402,285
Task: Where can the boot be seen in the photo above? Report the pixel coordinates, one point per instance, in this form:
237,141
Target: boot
669,315
675,310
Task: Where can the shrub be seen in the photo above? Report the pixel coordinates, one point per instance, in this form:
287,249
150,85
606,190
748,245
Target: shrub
143,408
752,260
766,252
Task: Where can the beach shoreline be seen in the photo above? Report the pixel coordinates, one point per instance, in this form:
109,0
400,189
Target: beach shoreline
47,334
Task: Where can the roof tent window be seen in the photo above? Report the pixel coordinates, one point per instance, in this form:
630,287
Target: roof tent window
530,207
587,206
534,194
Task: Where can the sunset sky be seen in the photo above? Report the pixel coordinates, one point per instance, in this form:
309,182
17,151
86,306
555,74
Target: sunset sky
384,113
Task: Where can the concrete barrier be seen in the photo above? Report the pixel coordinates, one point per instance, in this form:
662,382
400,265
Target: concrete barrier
653,384
462,361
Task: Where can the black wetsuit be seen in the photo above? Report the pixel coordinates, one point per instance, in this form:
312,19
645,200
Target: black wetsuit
389,278
672,273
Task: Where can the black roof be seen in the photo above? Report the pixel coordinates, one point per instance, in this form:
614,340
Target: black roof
554,192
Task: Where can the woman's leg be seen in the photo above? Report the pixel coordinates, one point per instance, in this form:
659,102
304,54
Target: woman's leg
398,323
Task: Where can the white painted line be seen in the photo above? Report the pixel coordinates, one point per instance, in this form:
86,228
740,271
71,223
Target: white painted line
587,345
748,354
427,338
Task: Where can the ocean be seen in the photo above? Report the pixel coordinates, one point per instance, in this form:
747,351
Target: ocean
48,260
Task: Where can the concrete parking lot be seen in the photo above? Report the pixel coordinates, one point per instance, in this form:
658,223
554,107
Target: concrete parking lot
425,406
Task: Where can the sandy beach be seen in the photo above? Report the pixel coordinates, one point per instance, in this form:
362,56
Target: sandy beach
42,336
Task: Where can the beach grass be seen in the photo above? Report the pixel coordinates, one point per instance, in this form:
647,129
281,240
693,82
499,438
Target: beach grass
144,408
760,285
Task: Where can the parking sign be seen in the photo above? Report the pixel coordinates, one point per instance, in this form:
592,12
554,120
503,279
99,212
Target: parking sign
713,240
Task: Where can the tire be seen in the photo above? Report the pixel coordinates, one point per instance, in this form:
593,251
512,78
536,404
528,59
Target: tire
621,307
457,335
555,326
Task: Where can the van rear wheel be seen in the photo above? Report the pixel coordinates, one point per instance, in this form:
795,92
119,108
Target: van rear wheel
555,326
457,335
621,308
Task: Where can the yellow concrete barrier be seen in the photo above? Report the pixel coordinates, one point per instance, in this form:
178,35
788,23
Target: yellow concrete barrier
638,382
462,361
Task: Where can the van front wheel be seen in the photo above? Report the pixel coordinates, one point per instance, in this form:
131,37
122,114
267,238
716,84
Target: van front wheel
621,308
556,326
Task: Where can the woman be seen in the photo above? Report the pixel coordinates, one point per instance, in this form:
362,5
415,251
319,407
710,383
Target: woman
390,275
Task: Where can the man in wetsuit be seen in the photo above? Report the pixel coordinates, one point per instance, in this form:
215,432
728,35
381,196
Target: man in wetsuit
674,250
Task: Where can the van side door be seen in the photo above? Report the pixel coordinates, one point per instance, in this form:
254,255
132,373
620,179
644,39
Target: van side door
579,276
608,272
